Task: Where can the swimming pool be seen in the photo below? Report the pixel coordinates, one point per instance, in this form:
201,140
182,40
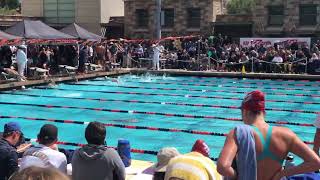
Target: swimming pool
153,112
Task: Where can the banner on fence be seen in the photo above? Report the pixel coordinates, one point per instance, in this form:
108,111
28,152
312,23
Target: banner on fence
248,42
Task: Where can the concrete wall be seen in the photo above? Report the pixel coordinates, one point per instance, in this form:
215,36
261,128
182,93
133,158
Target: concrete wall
88,15
32,8
111,8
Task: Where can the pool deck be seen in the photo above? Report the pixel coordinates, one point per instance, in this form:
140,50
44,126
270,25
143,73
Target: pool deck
175,72
18,85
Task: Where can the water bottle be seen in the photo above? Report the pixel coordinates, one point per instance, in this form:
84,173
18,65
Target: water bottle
289,162
124,151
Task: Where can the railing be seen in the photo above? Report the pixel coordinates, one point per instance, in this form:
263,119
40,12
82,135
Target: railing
205,64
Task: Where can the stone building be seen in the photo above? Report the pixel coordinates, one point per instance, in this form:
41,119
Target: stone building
179,17
286,18
89,14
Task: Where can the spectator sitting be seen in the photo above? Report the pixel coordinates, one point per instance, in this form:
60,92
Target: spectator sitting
314,57
45,154
8,155
163,156
95,160
38,173
193,166
277,59
260,148
201,147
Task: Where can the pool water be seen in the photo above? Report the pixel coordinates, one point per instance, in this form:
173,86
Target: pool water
184,103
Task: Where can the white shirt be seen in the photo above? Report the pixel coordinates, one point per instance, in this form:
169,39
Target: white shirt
317,122
21,56
90,51
277,59
56,159
156,52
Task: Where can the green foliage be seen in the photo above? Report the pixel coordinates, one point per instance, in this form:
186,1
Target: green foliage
10,4
240,6
6,11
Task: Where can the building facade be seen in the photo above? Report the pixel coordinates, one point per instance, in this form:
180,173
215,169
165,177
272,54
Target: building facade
87,13
179,17
286,18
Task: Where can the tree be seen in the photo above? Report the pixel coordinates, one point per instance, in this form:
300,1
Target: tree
10,4
240,6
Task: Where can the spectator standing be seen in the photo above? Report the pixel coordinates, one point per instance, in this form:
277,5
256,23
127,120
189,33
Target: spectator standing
156,56
83,59
43,58
8,153
261,148
46,154
95,160
21,59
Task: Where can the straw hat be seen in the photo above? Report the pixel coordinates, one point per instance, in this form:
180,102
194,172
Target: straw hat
164,156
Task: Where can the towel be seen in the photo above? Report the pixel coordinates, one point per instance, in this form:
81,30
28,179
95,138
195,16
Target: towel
192,166
247,162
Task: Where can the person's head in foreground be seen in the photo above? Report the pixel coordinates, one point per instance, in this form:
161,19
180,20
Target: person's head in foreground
164,156
260,148
12,133
95,133
253,107
95,160
201,147
38,173
193,166
48,135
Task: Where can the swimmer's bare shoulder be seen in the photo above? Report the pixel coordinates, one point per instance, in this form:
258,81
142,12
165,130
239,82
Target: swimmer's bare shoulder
285,134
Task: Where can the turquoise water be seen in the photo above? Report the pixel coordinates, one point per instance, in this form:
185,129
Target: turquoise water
66,94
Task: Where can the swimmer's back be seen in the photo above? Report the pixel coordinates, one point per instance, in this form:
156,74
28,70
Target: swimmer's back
282,142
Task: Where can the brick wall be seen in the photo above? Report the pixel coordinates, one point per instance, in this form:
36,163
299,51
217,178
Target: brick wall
291,25
209,10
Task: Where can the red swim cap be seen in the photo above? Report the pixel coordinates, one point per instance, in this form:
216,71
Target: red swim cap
201,147
254,101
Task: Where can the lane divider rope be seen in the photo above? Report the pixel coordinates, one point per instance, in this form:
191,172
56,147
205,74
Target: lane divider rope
118,126
210,85
232,82
174,95
192,90
149,113
255,78
162,103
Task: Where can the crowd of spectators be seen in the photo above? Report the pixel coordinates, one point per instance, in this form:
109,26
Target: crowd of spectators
194,53
254,150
